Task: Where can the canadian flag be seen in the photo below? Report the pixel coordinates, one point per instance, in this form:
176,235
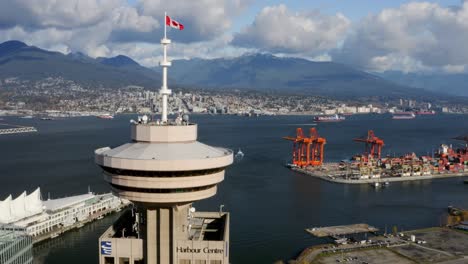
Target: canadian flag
172,23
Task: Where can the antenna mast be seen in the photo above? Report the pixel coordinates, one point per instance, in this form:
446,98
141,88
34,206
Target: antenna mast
165,92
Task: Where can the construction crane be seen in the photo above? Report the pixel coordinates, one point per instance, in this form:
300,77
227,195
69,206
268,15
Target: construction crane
373,145
307,151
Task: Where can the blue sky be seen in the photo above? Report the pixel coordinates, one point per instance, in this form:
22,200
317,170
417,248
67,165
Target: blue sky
353,9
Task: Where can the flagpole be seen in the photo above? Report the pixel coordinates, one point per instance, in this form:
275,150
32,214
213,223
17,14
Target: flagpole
164,92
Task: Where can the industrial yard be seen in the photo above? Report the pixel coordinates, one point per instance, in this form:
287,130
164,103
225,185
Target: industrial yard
371,166
433,245
361,243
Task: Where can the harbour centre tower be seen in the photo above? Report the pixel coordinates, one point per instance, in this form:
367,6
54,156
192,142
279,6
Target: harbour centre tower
163,170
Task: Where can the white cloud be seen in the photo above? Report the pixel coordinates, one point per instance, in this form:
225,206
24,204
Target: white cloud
112,27
414,37
73,25
454,68
203,19
127,18
50,13
151,54
277,29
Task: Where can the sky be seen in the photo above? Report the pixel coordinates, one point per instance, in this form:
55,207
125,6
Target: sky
373,35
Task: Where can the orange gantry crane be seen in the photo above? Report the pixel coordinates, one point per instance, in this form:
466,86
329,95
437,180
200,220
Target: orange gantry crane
307,151
373,145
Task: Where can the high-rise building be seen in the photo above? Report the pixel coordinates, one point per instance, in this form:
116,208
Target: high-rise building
15,245
163,170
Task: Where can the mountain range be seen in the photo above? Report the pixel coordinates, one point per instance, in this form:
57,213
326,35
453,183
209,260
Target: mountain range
258,71
453,83
31,63
293,75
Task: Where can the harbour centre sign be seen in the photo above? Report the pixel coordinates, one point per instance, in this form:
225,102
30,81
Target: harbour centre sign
205,250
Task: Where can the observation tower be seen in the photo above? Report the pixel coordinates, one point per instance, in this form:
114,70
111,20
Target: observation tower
163,170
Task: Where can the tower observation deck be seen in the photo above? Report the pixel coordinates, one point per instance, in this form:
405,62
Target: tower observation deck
163,170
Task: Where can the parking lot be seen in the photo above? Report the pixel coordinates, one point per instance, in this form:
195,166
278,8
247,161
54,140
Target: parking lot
376,256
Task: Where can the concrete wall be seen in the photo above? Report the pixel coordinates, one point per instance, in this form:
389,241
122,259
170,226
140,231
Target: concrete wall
166,198
131,248
154,133
164,182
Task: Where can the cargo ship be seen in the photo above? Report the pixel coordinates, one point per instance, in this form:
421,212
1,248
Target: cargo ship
409,115
44,219
329,118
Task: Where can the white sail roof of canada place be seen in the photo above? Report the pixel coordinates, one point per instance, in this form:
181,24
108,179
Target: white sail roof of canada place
12,210
58,204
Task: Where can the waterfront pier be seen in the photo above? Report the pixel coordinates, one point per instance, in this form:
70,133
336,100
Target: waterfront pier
15,129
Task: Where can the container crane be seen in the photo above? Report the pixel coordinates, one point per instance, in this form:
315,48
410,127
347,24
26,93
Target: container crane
307,151
462,153
373,145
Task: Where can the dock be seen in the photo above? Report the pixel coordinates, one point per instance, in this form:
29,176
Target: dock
340,177
15,129
55,232
334,231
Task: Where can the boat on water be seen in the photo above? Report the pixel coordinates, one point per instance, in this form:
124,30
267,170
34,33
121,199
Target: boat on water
46,118
409,115
426,112
380,185
43,219
27,117
329,118
106,116
239,154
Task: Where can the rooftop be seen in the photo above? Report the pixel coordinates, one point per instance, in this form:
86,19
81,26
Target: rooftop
208,226
58,204
9,233
166,151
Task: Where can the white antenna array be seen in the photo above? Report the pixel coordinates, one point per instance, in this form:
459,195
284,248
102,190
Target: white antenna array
165,92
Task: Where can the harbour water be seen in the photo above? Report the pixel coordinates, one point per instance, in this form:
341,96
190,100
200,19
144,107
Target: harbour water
270,205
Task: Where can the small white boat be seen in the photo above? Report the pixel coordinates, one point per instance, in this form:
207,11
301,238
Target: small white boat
100,217
55,235
239,154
